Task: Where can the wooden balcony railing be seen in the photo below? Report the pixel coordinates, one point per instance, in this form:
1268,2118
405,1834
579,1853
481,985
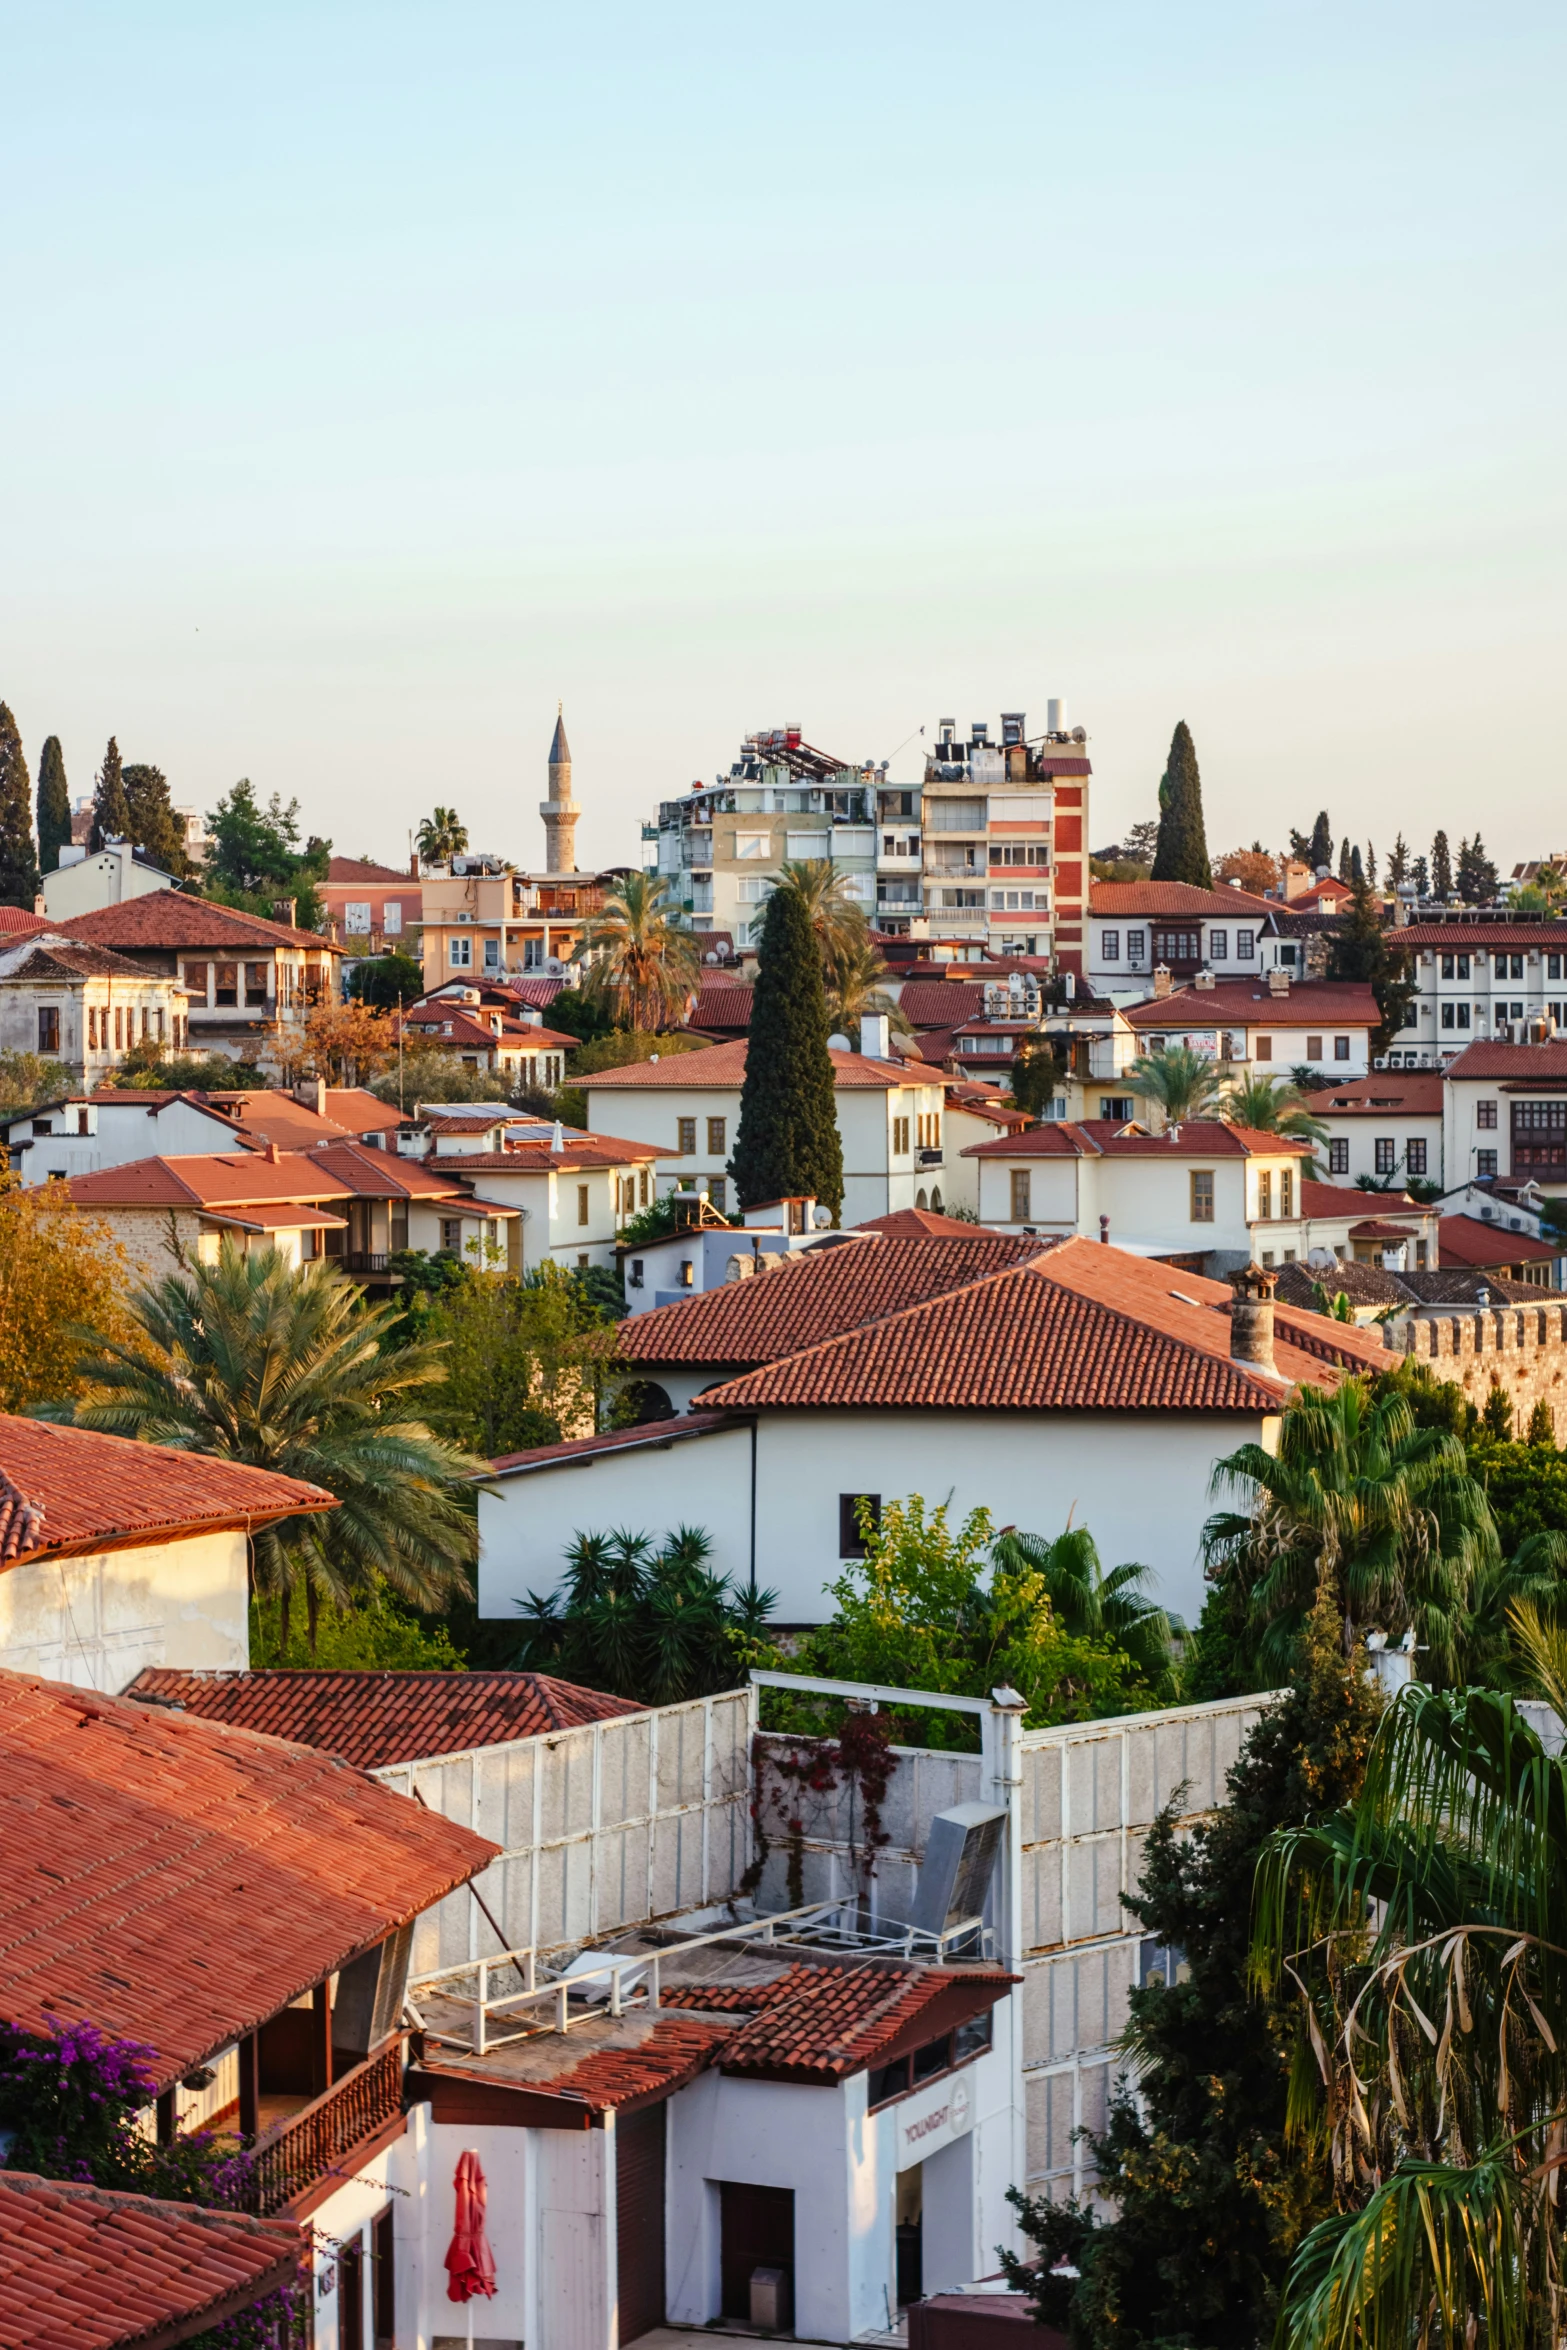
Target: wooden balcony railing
313,2142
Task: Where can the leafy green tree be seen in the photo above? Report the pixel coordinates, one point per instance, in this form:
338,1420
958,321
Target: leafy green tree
1206,2186
1088,1603
1398,863
942,1607
54,805
386,982
1363,950
111,813
1371,864
1542,1427
526,1359
1140,842
644,1619
788,1143
1182,854
147,1067
18,859
290,1371
1420,875
153,823
636,955
366,1636
425,1074
26,1079
1320,848
1477,876
256,858
1425,1926
1441,868
1184,1083
1357,1496
1036,1077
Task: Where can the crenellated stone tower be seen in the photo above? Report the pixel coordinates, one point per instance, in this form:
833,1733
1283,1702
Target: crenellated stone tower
559,811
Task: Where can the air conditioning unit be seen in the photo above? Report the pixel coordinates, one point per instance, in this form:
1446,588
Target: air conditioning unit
960,1858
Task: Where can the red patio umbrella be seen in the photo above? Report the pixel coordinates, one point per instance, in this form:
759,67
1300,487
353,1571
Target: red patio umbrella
470,2264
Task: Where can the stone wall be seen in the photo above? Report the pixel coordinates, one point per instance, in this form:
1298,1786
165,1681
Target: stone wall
1523,1348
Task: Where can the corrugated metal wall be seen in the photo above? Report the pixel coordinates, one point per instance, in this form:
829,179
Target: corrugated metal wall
622,1820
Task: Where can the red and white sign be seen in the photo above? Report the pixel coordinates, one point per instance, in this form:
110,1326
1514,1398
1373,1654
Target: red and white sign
933,2119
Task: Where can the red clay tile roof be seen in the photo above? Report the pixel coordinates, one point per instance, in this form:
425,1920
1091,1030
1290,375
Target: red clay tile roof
672,2052
818,1293
203,1179
376,1719
448,1026
52,957
1106,1138
1237,1003
724,1065
16,922
526,1157
1477,938
169,920
941,1003
661,1433
1384,1094
82,2268
1465,1240
376,1174
1546,1063
823,2023
92,1492
1126,900
919,1224
724,1003
177,1882
344,870
1081,1328
1331,1200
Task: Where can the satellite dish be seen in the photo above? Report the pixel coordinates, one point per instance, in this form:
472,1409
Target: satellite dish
709,958
1080,734
837,1043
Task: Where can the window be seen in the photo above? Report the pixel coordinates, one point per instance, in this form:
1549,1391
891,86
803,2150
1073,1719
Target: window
1177,946
356,915
1262,1048
1313,1048
195,976
1020,1195
636,1273
1136,946
48,1030
582,1203
1287,1192
492,954
225,983
392,918
718,1193
1485,1116
1338,1155
1553,966
1540,1139
1202,1195
1485,1162
1264,1193
459,953
1245,945
715,1138
972,2038
900,1138
851,1542
451,1235
686,1136
752,844
1218,946
1110,946
1515,971
119,1028
886,2081
1386,1150
383,2284
1341,1048
1455,966
753,889
1118,1106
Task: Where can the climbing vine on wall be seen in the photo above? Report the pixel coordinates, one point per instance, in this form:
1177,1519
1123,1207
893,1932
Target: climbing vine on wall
786,1775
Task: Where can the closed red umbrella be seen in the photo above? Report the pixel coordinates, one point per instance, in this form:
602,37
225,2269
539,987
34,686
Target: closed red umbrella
470,2264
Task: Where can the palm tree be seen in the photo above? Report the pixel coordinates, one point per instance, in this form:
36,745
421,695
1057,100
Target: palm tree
854,989
837,918
1359,1494
1088,1603
647,1621
1425,1929
1270,1105
441,836
251,1360
636,952
1184,1083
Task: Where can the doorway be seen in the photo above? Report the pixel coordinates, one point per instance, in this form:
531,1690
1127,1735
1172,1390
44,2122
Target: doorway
639,2220
756,2230
909,2234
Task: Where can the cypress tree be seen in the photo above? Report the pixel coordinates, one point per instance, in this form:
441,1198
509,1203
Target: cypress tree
1321,843
18,861
54,805
1362,950
154,825
788,1141
1182,853
1343,858
1357,869
1441,868
111,812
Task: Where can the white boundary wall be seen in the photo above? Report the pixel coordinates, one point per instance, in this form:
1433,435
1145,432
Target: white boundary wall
638,1817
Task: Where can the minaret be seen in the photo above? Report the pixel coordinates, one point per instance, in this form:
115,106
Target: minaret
559,811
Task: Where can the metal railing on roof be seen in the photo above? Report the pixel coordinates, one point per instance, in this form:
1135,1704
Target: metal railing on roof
818,1925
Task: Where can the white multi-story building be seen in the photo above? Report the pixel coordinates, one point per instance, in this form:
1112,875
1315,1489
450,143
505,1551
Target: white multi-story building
1478,980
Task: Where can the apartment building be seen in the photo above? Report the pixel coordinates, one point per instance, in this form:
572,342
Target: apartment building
483,919
1385,1125
1138,927
1003,854
1270,1025
720,846
1505,1115
372,909
1478,980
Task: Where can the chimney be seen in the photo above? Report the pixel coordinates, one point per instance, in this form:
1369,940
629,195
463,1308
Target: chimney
1251,1318
1204,978
413,868
1278,981
875,1036
1104,1230
284,910
274,1155
310,1093
1163,984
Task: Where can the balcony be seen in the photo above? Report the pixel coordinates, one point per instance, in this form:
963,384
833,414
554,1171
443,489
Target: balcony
365,1260
312,2144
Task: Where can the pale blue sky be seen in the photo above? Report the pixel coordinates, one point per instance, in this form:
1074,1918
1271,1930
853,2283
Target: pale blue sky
375,375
